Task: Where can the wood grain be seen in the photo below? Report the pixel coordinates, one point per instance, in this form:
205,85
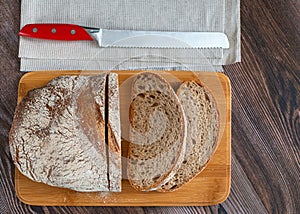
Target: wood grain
210,187
265,114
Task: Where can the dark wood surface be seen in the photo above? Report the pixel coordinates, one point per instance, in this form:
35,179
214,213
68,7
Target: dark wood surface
265,115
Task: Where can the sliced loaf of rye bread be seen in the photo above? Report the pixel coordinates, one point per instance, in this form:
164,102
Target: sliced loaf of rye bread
114,133
157,132
202,133
58,134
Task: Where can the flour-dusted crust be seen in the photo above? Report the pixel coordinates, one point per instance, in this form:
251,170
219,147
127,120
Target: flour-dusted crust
58,134
157,132
114,133
202,133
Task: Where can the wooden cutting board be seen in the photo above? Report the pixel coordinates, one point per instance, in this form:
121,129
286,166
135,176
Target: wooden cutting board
211,186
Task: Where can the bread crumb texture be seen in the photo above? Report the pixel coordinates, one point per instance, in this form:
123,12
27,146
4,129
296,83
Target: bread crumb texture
157,132
202,131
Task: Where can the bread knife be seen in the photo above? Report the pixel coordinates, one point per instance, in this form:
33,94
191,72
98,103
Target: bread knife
126,38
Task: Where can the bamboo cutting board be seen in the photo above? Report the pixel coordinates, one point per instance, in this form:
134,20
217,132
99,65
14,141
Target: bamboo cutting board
211,186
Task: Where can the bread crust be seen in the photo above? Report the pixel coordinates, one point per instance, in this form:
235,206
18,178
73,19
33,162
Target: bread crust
48,144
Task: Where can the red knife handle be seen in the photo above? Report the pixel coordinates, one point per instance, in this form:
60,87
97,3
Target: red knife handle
55,32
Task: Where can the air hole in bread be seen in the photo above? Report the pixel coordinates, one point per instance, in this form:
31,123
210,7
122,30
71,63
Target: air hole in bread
141,95
193,141
173,187
133,162
156,177
173,160
154,104
207,97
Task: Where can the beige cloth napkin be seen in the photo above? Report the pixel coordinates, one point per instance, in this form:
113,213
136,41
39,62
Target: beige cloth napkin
164,15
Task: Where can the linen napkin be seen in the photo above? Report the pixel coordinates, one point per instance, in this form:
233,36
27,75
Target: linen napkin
159,15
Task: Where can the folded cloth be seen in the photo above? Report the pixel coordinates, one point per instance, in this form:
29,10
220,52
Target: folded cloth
159,15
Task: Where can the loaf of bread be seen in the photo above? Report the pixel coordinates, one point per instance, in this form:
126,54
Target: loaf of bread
114,134
58,134
202,133
158,132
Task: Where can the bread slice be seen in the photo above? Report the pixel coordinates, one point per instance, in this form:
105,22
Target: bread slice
114,133
158,132
202,133
58,134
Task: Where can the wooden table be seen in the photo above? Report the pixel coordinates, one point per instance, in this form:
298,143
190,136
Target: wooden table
265,115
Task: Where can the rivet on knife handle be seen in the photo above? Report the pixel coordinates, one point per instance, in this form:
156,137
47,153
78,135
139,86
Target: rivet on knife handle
55,32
